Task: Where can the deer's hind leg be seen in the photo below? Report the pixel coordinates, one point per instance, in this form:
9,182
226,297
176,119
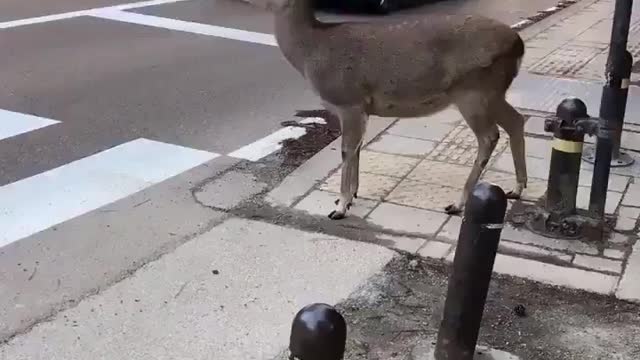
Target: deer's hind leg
474,107
513,123
354,122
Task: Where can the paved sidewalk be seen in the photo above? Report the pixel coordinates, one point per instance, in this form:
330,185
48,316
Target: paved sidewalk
577,47
415,167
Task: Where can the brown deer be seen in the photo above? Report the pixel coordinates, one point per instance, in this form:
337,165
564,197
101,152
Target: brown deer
408,67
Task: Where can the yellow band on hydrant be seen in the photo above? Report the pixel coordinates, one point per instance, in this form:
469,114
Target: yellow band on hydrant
573,147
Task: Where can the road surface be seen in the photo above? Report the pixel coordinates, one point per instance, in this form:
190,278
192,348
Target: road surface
112,113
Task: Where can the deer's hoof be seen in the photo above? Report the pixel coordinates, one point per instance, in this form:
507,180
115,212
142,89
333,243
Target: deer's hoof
453,209
337,215
513,195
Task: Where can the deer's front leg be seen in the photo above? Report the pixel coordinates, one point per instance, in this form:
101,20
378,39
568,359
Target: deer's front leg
354,122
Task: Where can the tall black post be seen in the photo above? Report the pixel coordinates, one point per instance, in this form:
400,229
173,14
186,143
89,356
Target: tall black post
472,270
318,332
612,105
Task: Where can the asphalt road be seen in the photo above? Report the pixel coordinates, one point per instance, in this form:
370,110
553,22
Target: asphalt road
106,126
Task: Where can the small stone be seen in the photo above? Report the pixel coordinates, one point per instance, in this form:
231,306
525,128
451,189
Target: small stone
413,264
215,272
520,310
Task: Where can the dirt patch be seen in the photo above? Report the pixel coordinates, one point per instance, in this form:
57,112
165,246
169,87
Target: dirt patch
402,307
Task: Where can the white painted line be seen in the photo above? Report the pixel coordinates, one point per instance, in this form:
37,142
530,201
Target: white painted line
73,14
268,144
187,26
14,123
314,120
521,23
36,203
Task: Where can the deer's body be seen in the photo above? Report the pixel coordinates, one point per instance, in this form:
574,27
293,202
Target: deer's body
408,67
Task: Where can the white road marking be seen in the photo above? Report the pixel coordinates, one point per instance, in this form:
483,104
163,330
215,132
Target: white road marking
188,26
314,120
36,203
13,123
268,144
74,14
521,23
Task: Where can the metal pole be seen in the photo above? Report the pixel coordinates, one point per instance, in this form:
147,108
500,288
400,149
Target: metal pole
318,332
612,106
566,156
472,269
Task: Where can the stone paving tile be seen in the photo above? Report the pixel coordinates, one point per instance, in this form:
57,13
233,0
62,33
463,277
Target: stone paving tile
371,186
565,61
454,154
400,145
435,250
451,230
404,243
386,164
322,203
614,254
536,168
617,183
630,139
629,287
527,237
598,263
421,128
406,219
440,173
535,187
595,33
619,239
584,193
555,275
534,250
632,196
594,69
625,224
423,195
535,126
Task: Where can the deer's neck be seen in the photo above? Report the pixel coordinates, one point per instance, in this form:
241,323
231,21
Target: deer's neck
294,27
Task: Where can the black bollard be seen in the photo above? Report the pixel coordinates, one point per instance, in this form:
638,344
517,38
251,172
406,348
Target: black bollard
566,156
318,332
472,269
612,106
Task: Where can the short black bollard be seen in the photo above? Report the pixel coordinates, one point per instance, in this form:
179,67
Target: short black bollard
318,332
472,269
566,156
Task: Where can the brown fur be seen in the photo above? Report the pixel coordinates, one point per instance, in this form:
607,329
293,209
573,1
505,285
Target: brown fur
408,67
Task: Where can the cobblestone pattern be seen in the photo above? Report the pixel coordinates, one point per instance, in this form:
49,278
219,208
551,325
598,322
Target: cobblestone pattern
578,46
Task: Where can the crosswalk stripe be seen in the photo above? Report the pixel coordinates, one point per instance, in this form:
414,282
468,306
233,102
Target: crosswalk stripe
39,202
13,123
187,26
268,144
74,14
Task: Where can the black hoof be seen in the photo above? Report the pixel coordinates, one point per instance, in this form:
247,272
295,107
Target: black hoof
452,210
336,215
355,195
513,195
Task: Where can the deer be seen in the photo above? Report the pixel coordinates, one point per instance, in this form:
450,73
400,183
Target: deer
407,67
